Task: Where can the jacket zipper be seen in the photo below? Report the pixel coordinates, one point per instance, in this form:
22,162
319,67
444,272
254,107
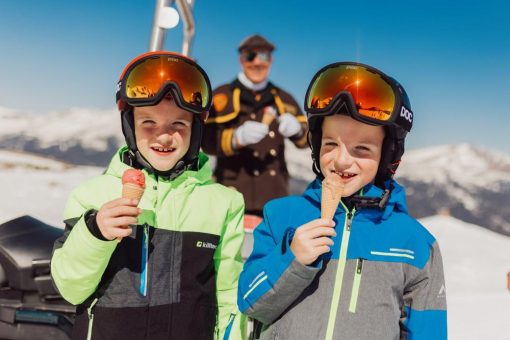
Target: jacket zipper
355,286
337,289
91,318
145,260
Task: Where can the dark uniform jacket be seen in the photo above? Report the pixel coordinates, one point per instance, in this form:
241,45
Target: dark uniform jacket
258,171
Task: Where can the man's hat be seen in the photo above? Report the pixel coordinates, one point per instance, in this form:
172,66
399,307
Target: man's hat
255,41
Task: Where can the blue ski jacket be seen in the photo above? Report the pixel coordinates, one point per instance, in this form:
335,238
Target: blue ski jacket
383,278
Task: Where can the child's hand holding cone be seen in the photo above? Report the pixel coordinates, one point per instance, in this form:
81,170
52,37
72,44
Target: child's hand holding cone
114,217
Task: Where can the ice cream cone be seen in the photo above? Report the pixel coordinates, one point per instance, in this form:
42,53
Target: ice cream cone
269,115
332,188
133,186
268,118
132,191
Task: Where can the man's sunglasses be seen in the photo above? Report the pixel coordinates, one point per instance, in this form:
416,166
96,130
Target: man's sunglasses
251,55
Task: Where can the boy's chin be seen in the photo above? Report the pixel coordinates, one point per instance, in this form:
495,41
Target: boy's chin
162,165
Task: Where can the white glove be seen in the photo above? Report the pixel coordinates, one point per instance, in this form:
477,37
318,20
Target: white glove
289,125
250,132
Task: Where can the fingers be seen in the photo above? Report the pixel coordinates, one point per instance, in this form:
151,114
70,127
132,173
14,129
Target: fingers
119,202
119,233
114,218
123,210
322,241
319,231
322,250
320,222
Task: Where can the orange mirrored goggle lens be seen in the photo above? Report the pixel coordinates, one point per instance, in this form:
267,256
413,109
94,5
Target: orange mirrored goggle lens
147,78
373,96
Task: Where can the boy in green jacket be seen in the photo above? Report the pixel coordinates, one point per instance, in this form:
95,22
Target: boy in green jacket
166,266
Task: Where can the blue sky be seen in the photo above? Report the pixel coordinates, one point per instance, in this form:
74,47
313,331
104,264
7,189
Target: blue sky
452,57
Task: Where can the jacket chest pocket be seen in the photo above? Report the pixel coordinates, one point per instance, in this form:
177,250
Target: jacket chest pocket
198,274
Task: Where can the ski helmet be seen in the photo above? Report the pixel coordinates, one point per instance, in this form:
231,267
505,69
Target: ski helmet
149,78
367,95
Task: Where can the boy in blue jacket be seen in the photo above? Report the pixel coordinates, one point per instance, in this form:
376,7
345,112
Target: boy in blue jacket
373,272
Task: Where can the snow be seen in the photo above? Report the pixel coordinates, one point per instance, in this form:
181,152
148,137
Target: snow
476,260
89,127
38,186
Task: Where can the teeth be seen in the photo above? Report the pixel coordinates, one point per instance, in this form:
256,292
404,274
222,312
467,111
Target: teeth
164,149
344,174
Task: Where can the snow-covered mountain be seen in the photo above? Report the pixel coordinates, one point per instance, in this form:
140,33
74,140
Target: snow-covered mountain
78,136
464,181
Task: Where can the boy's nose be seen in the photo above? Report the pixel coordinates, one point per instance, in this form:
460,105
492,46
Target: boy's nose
165,137
343,159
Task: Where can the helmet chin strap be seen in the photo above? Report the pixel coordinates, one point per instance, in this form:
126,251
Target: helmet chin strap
137,160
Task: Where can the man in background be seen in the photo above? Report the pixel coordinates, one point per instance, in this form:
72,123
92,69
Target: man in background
247,126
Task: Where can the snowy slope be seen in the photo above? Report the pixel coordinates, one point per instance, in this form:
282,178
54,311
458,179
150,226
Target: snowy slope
37,186
476,263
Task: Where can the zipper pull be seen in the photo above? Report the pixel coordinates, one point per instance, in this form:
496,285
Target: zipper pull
348,224
359,268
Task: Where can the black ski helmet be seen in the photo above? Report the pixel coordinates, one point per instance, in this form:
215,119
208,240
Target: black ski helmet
190,159
342,102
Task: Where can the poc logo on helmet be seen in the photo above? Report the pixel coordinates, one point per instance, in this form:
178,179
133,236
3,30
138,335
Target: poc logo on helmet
408,115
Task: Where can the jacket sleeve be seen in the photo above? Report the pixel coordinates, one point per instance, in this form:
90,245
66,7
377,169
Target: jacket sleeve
79,258
424,314
228,265
272,278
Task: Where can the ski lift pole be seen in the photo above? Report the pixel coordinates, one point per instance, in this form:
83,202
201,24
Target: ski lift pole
185,8
166,17
158,32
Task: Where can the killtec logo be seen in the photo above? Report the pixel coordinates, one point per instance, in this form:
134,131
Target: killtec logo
207,245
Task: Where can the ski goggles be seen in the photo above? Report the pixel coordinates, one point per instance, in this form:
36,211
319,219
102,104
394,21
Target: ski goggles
250,56
148,78
366,93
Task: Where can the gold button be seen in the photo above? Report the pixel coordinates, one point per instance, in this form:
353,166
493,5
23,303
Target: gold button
256,172
273,152
253,116
271,134
255,153
272,173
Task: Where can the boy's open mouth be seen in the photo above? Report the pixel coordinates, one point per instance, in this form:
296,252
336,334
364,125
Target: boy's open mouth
162,151
344,174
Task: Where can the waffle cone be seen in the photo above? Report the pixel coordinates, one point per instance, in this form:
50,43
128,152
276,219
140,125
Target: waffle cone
132,191
331,195
268,118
